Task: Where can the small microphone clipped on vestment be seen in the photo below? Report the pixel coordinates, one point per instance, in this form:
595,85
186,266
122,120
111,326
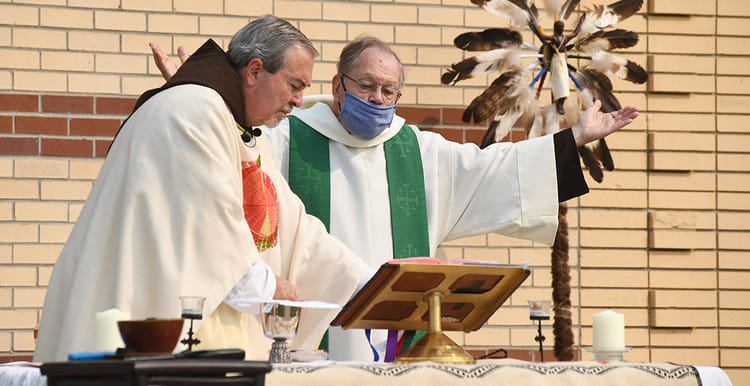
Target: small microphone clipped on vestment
249,134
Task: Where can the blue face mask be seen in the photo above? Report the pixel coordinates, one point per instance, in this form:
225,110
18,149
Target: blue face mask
363,119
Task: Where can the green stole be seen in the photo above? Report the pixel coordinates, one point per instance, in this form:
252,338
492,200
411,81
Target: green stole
310,179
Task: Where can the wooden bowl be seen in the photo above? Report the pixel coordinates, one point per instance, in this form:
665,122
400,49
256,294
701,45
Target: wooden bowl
158,336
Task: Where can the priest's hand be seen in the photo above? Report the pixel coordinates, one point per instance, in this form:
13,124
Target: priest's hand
285,290
593,124
165,65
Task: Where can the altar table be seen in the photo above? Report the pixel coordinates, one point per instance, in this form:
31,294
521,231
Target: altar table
497,372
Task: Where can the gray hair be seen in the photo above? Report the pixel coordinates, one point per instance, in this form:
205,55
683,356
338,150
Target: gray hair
351,53
267,38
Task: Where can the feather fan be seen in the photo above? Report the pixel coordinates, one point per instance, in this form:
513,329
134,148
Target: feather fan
511,100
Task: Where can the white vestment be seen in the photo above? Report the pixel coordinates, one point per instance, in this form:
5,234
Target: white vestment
509,188
165,219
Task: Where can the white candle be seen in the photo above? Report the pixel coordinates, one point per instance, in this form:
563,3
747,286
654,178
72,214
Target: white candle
609,331
107,334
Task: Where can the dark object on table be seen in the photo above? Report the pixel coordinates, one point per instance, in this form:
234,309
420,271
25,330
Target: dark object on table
230,353
157,336
156,372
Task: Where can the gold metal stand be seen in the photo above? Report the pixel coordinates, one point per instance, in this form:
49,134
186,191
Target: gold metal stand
436,346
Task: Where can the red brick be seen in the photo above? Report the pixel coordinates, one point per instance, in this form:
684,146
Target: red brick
19,146
67,104
6,124
94,127
102,146
455,135
114,106
42,125
452,116
15,358
67,147
420,116
19,102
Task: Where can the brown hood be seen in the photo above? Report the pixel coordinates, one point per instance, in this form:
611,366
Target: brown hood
208,66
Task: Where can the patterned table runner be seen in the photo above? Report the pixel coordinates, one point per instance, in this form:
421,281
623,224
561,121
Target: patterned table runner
491,372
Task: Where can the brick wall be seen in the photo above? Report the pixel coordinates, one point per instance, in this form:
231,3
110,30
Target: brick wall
665,239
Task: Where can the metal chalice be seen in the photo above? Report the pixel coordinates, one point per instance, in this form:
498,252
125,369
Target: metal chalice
280,322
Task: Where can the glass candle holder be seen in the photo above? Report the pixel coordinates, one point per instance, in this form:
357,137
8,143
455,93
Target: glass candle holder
539,309
192,307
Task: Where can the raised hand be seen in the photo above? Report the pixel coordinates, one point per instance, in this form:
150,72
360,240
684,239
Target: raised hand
593,124
165,65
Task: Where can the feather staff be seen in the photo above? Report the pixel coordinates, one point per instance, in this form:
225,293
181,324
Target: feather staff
511,102
563,323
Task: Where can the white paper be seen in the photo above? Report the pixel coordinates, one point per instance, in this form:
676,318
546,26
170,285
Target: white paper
252,305
432,260
524,264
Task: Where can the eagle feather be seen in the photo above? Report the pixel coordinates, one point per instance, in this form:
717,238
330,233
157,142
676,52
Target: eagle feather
516,10
607,40
604,16
498,60
618,66
567,9
489,39
508,92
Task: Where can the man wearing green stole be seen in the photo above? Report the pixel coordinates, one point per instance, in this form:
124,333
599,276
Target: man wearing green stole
388,190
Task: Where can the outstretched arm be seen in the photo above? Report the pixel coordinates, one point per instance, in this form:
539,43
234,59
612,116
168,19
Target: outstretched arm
593,124
165,65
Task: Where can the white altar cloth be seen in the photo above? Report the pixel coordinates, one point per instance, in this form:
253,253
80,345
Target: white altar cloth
486,372
497,373
21,374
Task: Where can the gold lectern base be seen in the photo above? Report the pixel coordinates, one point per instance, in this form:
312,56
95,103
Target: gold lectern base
436,347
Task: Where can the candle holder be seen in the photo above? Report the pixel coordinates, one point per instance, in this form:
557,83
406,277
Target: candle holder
538,311
608,355
192,309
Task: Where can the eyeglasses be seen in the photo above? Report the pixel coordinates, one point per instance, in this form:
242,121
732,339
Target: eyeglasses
390,93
